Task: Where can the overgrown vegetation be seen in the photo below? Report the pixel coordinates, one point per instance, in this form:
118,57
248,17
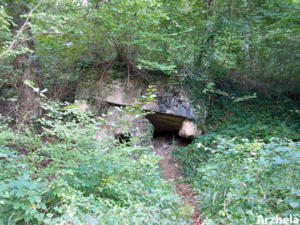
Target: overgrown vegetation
52,171
57,173
247,164
256,118
58,44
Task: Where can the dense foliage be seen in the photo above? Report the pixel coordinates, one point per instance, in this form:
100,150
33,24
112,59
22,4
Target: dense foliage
246,165
61,175
256,118
253,42
52,169
237,180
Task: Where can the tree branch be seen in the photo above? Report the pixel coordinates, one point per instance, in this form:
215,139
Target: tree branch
50,31
23,27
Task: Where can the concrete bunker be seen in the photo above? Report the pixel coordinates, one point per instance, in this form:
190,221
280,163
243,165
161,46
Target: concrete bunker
171,110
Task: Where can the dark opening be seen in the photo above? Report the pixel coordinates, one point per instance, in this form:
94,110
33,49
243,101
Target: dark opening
171,137
163,122
123,138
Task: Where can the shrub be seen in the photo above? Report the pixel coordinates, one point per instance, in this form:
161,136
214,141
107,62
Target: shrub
245,166
258,118
62,175
237,179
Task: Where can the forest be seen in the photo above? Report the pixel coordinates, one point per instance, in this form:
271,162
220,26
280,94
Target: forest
149,112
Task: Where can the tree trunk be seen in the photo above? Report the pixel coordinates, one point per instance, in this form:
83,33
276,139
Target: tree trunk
29,100
27,65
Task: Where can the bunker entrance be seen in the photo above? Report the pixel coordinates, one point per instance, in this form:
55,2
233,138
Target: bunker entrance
165,122
167,126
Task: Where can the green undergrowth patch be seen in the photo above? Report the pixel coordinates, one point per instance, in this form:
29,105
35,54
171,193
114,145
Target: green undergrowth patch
247,164
63,175
256,118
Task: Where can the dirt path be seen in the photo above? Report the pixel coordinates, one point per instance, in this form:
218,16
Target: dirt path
171,171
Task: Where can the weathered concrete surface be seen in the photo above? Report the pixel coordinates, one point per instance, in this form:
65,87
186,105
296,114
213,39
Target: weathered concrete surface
171,107
120,122
175,103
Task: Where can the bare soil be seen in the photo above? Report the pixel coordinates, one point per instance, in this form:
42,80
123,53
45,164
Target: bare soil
164,146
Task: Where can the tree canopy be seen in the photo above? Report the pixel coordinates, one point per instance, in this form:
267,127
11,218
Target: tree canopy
255,43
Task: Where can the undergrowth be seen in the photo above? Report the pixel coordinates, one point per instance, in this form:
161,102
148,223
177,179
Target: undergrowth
257,118
247,164
62,175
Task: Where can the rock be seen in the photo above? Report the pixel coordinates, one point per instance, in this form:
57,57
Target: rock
188,129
